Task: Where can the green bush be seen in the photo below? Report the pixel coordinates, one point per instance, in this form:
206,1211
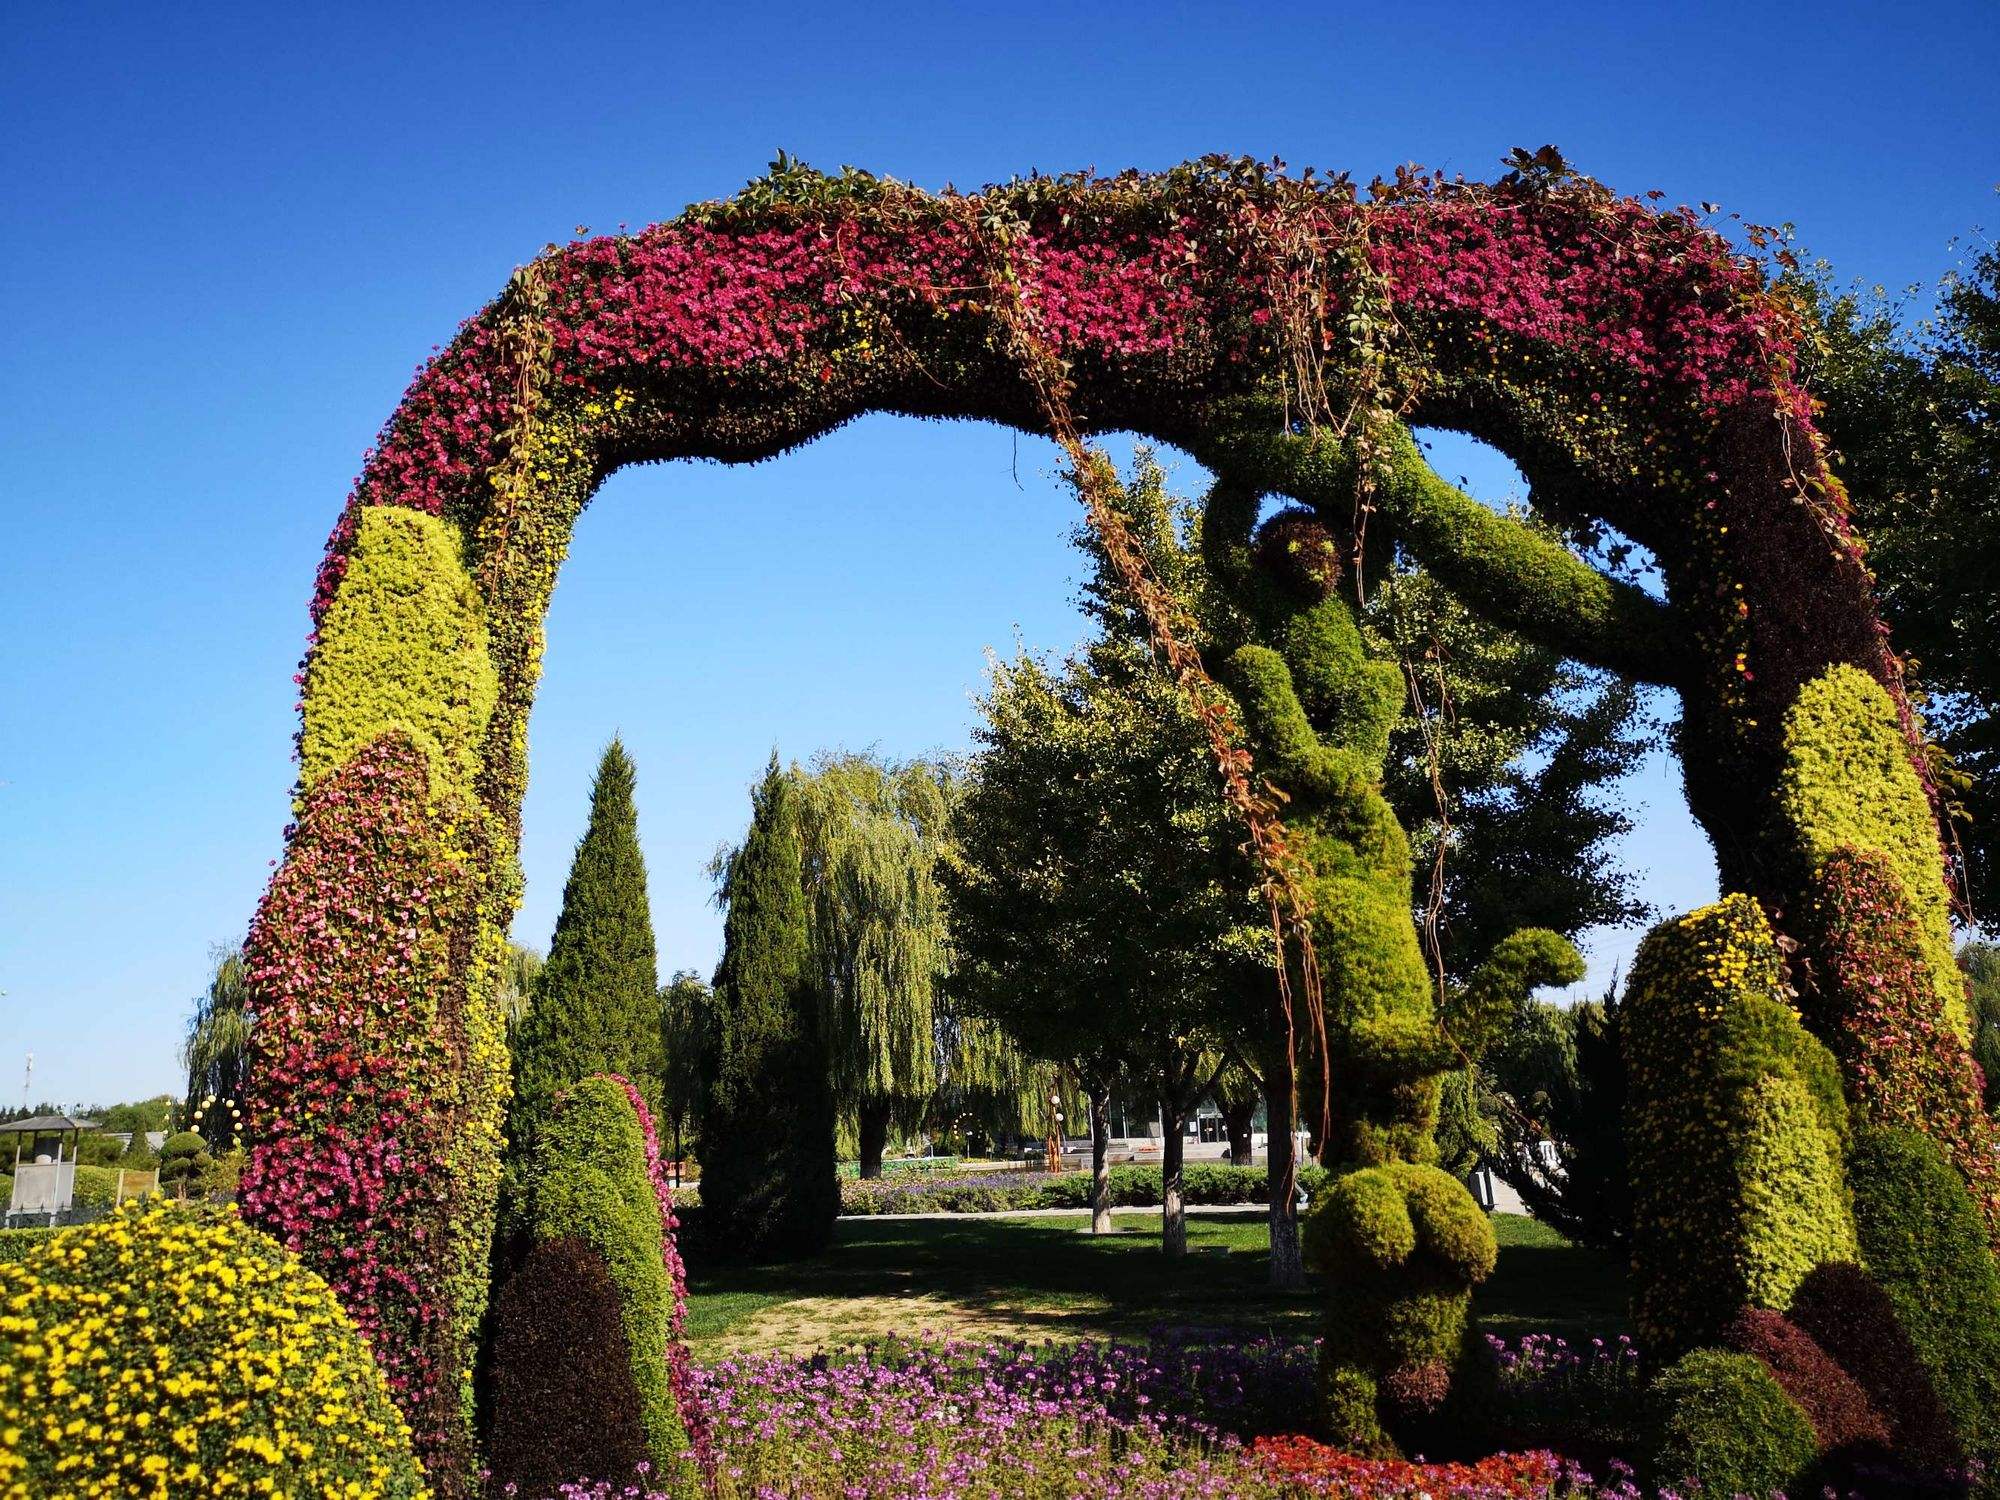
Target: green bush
198,1357
96,1187
184,1163
1925,1244
587,1183
1722,1421
16,1243
1206,1185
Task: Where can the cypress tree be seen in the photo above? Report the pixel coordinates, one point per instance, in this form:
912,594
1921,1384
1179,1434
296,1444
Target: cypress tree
596,1005
767,1120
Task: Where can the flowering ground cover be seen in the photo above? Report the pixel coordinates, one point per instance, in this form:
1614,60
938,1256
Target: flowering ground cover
1179,1418
1041,1278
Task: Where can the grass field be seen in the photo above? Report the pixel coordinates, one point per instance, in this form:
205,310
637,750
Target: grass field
1045,1277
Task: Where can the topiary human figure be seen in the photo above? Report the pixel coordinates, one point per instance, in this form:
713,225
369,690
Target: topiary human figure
1402,1242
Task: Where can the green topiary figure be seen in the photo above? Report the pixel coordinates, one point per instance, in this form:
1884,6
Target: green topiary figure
600,1335
596,1005
1721,1420
766,1122
1402,1241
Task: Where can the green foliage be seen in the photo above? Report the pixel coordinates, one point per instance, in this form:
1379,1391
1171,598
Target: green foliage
596,1001
1980,963
767,1116
1923,1239
1520,747
1848,782
216,1049
17,1243
684,1005
870,840
146,1114
184,1163
1736,1126
1910,419
1723,1422
1561,1077
403,645
587,1180
514,993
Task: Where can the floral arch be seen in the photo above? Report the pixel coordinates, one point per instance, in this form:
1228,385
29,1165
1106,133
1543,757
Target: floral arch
1286,330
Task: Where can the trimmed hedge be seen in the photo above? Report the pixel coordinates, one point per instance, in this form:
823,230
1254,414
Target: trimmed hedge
1205,1184
233,1368
1721,1420
1736,1125
587,1184
15,1244
1924,1242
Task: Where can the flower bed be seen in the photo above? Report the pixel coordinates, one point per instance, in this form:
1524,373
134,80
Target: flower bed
1178,1418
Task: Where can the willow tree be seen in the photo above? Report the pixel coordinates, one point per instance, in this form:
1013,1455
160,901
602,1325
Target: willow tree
217,1045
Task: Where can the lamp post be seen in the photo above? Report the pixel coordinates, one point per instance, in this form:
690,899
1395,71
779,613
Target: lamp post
1054,1142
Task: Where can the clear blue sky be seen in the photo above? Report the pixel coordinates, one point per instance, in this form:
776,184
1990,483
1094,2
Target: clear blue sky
231,233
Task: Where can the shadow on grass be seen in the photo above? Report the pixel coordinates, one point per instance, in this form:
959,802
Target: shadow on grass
1049,1278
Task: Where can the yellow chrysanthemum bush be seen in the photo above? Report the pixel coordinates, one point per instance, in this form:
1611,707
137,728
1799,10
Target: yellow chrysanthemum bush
173,1351
1736,1126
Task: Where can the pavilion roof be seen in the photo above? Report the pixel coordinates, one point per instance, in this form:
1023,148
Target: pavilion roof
45,1125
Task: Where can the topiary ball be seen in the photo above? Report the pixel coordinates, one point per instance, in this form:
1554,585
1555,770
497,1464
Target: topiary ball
168,1350
1296,549
1722,1421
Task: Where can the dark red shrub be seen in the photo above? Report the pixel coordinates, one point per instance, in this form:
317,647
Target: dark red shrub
1842,1416
556,1417
1841,1308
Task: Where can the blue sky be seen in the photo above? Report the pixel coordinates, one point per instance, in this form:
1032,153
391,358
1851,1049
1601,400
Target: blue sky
232,232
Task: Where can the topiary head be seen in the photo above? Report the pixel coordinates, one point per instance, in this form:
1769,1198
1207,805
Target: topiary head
1297,551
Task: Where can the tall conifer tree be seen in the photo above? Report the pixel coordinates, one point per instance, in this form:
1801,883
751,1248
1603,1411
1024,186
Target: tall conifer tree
596,1006
767,1121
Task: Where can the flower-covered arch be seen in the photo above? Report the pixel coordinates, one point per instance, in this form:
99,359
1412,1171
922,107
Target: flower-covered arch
1286,330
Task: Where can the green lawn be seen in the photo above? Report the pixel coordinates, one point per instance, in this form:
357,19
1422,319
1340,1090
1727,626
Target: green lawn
1044,1277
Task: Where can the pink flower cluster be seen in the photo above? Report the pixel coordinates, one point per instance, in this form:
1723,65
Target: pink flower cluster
350,1165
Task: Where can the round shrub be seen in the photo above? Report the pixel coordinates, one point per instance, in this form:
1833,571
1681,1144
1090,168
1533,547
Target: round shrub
169,1350
183,1160
1721,1420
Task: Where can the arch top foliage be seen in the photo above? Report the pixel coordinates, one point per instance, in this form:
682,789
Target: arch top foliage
1638,370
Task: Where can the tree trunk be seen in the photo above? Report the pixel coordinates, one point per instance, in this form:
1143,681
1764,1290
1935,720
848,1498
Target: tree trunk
1100,1159
1287,1265
1237,1118
1173,1210
874,1135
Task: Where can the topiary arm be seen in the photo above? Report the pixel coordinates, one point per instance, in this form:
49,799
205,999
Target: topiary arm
1519,964
1291,751
1507,572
